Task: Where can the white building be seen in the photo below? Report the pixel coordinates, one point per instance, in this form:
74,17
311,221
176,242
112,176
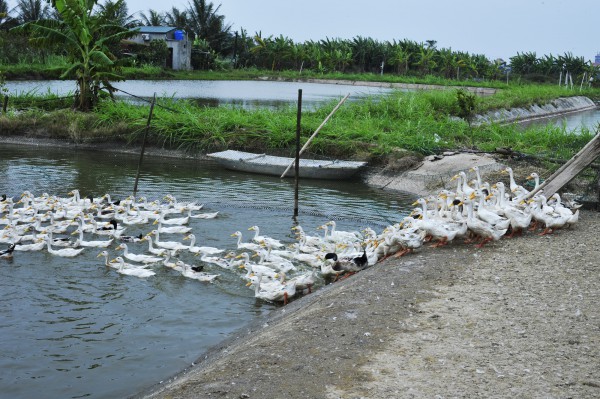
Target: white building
180,47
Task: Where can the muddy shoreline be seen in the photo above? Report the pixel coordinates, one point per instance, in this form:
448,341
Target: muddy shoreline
517,317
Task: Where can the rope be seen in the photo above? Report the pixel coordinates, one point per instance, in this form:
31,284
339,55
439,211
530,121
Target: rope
149,101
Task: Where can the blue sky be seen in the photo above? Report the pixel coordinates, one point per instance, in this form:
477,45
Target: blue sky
498,29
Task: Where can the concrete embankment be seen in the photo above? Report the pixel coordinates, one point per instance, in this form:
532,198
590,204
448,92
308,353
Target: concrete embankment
435,172
482,91
559,106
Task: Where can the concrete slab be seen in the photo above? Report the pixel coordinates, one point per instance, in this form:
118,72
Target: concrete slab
435,173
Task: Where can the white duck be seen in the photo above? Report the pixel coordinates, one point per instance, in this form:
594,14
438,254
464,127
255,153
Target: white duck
132,270
166,244
408,239
152,249
281,264
438,229
224,262
206,250
281,293
547,215
487,214
245,245
481,229
255,268
95,243
304,281
571,213
343,236
64,252
171,221
516,189
258,238
138,257
167,261
520,217
205,215
105,255
188,272
463,186
180,206
36,246
171,229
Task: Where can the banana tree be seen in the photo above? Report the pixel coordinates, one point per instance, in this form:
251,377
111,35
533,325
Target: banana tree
86,38
399,58
426,61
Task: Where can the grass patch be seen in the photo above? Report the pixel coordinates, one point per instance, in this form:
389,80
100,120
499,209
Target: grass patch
375,128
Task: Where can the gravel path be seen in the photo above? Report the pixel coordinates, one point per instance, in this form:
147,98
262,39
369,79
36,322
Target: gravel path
517,318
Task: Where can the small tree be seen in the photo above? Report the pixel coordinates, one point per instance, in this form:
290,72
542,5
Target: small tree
467,105
155,53
86,39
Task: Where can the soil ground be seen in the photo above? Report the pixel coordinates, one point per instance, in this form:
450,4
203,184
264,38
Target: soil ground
516,318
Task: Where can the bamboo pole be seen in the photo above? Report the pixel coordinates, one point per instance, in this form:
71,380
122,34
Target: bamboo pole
137,176
297,168
316,132
570,169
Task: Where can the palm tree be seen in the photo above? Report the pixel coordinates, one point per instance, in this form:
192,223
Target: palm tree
86,39
176,18
118,13
263,51
154,18
32,10
207,25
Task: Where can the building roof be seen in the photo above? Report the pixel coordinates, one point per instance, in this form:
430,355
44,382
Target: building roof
155,29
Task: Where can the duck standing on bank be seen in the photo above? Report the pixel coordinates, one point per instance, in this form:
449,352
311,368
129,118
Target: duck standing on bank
348,265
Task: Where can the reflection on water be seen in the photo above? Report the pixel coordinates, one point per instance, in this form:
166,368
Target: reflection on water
75,328
572,122
246,94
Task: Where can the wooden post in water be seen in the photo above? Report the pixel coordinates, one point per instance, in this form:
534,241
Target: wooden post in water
297,167
5,104
315,133
137,176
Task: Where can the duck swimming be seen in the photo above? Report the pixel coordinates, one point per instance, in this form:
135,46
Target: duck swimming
7,253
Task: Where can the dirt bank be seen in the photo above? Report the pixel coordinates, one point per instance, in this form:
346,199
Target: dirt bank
518,317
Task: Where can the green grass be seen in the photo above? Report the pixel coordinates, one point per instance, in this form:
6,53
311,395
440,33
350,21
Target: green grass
373,128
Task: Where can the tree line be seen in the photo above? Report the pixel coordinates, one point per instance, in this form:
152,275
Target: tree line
90,34
216,45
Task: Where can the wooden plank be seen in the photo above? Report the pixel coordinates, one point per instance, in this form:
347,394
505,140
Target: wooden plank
572,168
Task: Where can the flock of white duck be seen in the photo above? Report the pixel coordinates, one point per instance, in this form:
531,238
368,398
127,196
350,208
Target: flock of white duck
476,212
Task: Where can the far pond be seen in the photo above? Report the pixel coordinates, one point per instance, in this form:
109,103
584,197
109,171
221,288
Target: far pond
214,93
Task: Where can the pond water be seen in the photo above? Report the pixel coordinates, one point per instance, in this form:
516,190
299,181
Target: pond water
246,94
72,328
575,121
